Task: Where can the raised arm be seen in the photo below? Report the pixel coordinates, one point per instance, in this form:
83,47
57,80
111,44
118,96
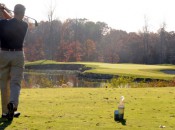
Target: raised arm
4,12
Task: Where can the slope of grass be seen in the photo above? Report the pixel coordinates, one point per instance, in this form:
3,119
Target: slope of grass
134,70
93,108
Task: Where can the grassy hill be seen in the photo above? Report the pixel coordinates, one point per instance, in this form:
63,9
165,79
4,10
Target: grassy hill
93,108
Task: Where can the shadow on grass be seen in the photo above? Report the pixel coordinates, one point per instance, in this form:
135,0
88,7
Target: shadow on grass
4,123
123,122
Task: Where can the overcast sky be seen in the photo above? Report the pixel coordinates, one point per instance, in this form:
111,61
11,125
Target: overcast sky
127,15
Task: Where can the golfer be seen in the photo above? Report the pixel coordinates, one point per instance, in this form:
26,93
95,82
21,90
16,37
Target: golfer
12,33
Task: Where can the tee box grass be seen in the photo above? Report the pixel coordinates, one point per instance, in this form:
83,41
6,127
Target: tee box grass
93,109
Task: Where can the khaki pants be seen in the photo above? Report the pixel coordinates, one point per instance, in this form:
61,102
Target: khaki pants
11,74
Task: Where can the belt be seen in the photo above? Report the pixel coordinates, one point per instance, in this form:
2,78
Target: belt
5,49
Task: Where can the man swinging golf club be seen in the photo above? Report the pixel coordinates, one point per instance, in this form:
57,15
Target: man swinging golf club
12,33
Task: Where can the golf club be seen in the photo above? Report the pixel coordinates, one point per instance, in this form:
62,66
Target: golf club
36,23
8,10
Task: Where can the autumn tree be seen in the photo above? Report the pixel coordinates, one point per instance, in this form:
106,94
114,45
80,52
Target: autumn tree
162,45
146,41
89,50
84,40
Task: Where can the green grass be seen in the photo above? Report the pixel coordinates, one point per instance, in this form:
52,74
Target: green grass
133,70
93,108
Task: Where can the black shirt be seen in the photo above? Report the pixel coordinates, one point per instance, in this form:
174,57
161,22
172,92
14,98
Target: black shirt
12,33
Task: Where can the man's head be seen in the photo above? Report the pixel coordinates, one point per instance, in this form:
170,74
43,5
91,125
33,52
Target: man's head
19,11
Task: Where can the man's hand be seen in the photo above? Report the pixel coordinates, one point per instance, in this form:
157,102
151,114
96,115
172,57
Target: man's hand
6,14
2,6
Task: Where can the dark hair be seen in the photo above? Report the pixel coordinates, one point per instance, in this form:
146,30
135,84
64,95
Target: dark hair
19,9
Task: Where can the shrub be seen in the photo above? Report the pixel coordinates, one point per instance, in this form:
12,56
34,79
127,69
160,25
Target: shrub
120,82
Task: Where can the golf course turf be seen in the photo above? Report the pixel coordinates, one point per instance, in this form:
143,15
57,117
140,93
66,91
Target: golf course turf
93,109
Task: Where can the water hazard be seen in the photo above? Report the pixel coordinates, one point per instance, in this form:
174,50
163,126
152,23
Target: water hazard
57,79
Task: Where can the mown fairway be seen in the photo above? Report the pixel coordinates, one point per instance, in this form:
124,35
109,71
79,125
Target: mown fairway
93,108
133,70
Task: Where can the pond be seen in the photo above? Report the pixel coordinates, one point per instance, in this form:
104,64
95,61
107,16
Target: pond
57,79
172,72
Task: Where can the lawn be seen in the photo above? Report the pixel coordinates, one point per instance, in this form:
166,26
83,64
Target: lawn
133,70
93,108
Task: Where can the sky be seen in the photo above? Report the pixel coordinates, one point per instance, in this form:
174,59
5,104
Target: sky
127,15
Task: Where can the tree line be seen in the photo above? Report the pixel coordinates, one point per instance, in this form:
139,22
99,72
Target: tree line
83,40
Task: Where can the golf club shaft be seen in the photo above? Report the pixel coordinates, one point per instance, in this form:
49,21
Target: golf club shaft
27,17
36,23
